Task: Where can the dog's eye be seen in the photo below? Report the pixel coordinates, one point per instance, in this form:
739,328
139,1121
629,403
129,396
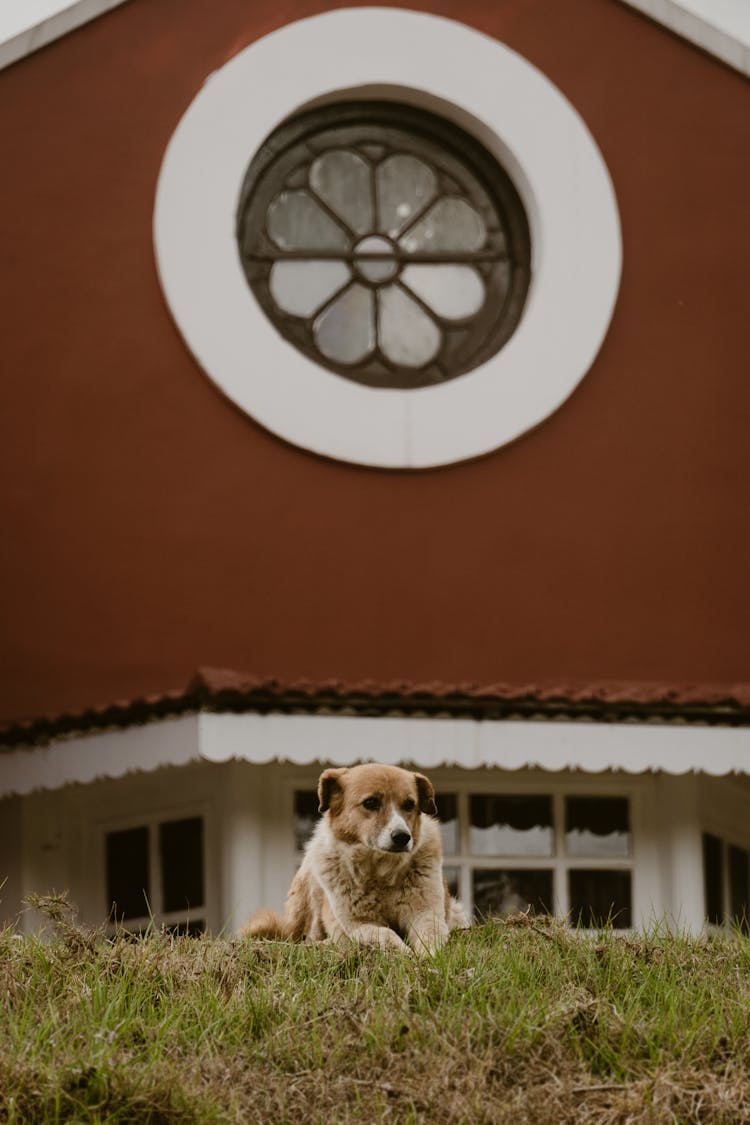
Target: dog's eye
408,804
372,804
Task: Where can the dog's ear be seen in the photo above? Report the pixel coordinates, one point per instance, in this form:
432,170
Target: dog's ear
426,794
328,785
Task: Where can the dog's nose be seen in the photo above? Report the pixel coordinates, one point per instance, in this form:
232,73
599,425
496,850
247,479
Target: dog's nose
400,839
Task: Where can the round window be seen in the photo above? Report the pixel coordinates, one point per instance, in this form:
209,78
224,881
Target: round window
384,242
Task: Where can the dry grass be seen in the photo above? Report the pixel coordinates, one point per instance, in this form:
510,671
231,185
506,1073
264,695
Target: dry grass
516,1021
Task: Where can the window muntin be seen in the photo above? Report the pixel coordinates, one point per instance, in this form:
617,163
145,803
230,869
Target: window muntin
156,872
385,243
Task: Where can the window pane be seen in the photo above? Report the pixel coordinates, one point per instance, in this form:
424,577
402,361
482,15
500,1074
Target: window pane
345,331
342,180
452,292
404,185
739,878
712,883
127,873
506,892
597,826
450,225
452,878
306,816
296,221
181,851
406,334
300,288
510,825
447,807
600,897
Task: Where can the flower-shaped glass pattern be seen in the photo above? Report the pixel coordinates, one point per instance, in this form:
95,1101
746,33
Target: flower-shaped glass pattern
385,243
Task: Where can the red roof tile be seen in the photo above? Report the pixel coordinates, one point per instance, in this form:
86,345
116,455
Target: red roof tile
224,690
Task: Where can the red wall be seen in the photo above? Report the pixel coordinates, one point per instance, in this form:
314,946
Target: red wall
148,527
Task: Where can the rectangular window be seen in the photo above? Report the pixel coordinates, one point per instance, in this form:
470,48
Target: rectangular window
155,872
510,852
713,878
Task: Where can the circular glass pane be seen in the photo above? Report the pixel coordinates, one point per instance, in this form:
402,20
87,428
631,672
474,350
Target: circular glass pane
385,243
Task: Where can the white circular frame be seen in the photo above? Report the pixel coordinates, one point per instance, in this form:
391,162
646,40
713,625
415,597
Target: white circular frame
487,89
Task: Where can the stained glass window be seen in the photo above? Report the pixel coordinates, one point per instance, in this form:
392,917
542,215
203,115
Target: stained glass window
385,243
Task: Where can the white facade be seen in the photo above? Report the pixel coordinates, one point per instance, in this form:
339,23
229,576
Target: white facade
52,835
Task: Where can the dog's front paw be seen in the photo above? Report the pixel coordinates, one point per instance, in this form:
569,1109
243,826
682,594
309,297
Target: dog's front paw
381,936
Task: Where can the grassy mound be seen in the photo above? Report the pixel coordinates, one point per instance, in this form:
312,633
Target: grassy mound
517,1021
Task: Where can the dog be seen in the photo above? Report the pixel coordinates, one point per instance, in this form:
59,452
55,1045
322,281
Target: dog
372,871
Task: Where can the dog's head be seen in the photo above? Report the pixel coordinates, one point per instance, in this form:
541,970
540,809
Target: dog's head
377,806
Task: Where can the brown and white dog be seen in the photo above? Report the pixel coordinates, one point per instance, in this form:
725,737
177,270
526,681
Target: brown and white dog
372,871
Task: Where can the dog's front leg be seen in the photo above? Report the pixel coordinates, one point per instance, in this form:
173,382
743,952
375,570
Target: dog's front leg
427,932
340,926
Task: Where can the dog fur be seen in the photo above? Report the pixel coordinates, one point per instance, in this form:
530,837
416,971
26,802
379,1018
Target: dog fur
372,871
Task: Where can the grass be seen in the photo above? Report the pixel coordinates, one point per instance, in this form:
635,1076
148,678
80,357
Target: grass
517,1021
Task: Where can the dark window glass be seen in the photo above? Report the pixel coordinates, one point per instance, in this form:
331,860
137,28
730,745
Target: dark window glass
127,873
447,806
712,879
739,880
507,892
597,826
598,898
512,825
452,879
306,816
181,851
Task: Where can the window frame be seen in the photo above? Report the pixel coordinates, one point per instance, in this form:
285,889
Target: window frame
514,111
450,153
152,819
558,862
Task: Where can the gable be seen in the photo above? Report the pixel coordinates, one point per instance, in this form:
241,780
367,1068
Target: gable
153,528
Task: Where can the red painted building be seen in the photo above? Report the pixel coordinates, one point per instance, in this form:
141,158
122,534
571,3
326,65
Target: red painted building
509,546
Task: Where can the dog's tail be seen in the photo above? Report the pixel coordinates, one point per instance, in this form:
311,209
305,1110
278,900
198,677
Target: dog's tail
266,924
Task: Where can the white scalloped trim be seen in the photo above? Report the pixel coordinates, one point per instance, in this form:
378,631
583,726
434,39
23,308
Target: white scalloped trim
345,740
